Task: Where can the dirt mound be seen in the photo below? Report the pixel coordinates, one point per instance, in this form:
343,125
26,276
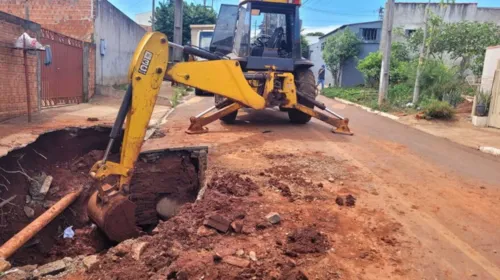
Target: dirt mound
283,188
307,240
233,184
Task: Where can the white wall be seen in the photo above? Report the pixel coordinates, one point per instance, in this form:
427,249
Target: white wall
491,60
121,35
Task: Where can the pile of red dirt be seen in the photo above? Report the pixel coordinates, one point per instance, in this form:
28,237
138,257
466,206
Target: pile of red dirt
233,184
307,240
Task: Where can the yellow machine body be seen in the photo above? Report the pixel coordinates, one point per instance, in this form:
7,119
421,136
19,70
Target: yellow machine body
109,206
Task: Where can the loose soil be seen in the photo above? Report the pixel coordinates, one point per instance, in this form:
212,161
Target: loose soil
68,155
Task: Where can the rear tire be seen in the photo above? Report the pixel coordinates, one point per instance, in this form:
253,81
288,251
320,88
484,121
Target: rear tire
227,119
305,83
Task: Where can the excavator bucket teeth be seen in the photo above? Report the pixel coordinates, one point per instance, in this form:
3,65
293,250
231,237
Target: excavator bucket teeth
116,217
343,127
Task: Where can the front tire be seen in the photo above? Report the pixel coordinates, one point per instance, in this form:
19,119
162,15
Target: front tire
227,119
305,83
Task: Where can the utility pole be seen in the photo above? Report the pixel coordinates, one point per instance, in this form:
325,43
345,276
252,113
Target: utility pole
416,89
205,3
178,13
386,50
153,16
255,29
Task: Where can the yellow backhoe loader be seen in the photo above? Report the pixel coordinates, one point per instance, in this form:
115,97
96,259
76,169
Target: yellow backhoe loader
268,72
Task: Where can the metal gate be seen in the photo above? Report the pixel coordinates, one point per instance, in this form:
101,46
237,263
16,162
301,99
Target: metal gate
62,80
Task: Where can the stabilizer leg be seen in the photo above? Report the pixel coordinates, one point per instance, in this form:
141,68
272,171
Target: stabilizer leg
199,122
341,125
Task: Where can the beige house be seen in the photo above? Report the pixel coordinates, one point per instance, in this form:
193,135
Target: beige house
201,35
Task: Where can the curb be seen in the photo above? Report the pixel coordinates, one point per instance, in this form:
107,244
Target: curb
380,113
490,150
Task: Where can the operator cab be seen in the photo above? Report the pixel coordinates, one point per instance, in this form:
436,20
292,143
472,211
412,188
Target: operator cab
260,33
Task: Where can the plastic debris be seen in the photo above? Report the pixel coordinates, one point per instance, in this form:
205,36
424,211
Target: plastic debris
69,232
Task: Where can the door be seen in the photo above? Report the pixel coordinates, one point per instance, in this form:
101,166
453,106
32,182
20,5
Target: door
62,80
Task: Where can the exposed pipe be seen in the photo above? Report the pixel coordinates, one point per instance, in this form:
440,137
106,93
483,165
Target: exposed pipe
28,232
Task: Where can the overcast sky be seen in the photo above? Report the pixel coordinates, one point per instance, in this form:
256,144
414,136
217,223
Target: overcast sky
317,15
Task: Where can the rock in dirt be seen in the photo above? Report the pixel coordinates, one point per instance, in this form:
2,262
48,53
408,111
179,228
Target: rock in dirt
30,212
236,261
92,119
339,200
205,232
28,199
331,180
138,248
240,252
15,274
253,256
296,275
4,265
273,218
45,186
89,261
50,269
307,240
217,258
122,249
237,226
350,200
217,222
36,186
48,203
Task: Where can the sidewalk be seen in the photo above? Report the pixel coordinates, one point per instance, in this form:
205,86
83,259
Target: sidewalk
460,131
17,132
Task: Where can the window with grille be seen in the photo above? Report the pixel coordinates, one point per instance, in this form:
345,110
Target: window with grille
369,34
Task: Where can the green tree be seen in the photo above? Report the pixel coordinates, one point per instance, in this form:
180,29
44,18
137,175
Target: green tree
192,14
371,64
304,46
464,41
338,49
315,34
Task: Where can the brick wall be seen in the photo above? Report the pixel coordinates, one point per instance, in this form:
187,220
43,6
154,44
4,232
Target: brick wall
73,18
12,79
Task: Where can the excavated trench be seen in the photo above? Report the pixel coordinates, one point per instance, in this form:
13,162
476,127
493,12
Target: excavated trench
174,175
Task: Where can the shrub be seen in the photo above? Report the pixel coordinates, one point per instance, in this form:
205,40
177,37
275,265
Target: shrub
400,94
439,110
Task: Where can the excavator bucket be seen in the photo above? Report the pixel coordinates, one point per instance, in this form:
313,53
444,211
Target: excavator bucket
116,216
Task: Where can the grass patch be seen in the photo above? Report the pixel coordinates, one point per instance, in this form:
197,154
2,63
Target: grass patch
120,86
359,95
397,98
179,92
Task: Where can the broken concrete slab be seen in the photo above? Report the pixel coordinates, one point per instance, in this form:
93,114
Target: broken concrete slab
52,268
89,261
236,261
237,226
217,222
273,218
4,265
46,186
205,232
138,248
30,212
